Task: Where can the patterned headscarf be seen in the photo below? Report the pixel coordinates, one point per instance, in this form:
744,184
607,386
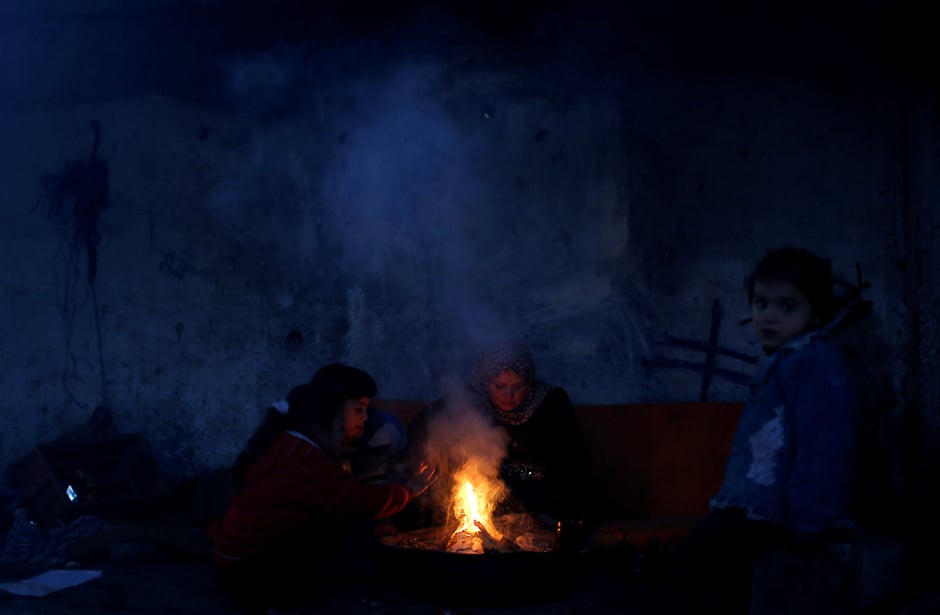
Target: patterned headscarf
511,355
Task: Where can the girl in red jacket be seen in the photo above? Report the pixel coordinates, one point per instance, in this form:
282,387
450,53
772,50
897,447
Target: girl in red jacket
294,508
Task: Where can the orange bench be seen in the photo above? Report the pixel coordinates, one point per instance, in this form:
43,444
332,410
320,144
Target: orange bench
655,465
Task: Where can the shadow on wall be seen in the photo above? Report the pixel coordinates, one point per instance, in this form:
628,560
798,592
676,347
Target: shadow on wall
75,198
881,471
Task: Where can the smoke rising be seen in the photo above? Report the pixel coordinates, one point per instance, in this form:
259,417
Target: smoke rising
433,199
463,443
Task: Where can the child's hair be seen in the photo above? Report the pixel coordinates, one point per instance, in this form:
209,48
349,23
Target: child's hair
808,273
344,381
309,409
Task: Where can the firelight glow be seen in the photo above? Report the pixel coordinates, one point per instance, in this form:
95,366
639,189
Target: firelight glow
475,496
469,509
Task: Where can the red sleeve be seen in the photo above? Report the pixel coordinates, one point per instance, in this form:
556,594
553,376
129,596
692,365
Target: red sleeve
331,488
292,483
301,473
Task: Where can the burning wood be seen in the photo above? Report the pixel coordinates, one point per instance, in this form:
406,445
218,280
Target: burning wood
474,498
522,532
463,541
497,542
481,541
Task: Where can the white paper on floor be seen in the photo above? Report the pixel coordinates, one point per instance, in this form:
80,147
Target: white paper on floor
50,581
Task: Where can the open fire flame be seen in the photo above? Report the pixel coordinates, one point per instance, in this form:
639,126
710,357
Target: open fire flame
475,497
472,499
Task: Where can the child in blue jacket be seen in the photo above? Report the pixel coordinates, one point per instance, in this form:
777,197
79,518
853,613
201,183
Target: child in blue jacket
789,475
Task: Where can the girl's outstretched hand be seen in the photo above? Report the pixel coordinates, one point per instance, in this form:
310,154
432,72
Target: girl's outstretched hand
424,477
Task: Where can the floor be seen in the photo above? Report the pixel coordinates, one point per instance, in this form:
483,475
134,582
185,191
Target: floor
162,567
174,585
189,586
148,569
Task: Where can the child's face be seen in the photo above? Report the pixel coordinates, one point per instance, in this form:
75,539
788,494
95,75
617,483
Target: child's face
779,312
354,417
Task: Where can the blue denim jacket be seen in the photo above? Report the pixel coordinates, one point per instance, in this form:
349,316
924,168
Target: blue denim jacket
793,454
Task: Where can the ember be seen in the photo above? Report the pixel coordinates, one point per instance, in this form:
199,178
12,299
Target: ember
527,567
471,512
522,530
474,497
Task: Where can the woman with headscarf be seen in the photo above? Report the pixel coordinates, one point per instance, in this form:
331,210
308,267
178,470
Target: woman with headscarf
547,464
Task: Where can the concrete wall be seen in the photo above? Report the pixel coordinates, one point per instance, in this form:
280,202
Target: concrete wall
395,193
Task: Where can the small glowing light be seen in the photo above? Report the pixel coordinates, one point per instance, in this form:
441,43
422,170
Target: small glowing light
71,493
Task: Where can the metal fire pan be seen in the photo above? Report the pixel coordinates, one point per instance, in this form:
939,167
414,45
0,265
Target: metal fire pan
479,579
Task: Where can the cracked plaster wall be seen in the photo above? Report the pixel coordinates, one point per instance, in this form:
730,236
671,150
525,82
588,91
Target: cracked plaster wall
395,206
